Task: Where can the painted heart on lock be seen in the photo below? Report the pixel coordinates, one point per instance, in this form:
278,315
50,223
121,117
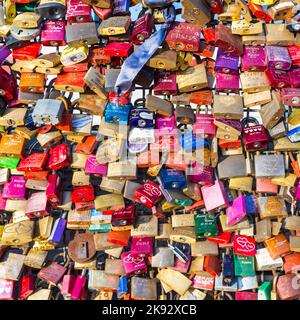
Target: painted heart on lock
244,243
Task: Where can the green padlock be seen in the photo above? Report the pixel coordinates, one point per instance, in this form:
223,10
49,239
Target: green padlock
243,266
206,225
8,162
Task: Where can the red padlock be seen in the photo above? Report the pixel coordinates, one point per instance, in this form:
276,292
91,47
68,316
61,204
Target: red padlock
83,194
26,286
59,157
148,194
255,137
28,52
34,162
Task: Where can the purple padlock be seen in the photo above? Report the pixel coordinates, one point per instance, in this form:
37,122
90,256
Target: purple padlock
165,125
227,83
253,59
4,53
226,62
93,167
278,58
295,78
237,211
57,230
15,188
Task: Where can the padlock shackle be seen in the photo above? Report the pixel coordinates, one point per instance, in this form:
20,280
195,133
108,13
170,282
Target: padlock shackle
247,120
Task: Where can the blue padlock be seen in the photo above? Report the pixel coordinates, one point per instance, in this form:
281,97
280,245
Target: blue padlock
117,114
172,179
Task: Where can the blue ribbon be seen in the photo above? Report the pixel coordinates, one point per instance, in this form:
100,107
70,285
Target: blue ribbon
135,62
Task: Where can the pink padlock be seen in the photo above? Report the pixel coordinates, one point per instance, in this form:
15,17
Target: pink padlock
93,167
133,264
54,189
204,125
141,246
298,191
15,189
198,173
79,285
2,202
53,33
7,289
253,59
237,211
228,83
165,125
214,196
37,205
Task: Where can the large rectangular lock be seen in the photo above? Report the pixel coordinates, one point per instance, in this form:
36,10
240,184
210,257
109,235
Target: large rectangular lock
114,26
183,36
95,81
192,79
48,111
196,11
268,166
81,34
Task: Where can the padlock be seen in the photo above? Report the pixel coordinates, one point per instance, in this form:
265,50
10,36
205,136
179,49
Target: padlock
149,194
37,205
163,59
164,82
237,211
226,82
78,11
114,26
142,28
59,157
81,34
192,79
28,52
51,10
32,82
8,85
255,137
15,188
196,12
12,145
227,41
254,82
279,35
272,111
53,272
253,59
44,114
117,115
214,196
278,58
226,62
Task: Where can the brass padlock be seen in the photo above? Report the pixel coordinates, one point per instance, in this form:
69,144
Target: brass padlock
254,82
196,11
27,20
228,107
32,82
278,35
163,59
192,79
95,81
13,117
114,26
272,112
